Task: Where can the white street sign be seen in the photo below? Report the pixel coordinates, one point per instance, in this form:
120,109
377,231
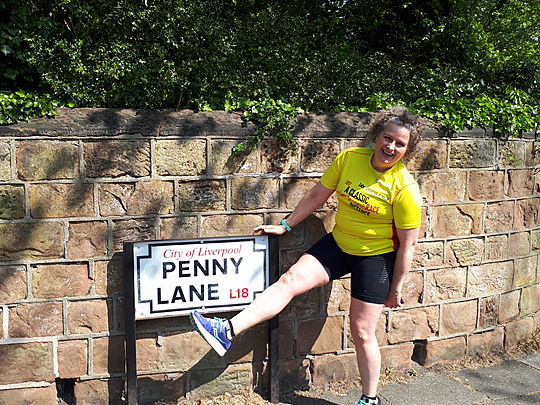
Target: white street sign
212,275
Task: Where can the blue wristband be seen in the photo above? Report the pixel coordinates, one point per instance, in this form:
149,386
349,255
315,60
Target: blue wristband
284,225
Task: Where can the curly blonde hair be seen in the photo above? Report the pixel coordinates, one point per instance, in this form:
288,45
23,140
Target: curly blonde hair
401,117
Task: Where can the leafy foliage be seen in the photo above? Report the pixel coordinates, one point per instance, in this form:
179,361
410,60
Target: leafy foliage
460,62
20,105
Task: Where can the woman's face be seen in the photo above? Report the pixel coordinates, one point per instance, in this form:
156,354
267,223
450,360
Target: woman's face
390,147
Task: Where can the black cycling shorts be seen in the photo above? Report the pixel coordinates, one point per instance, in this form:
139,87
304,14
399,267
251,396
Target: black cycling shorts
370,275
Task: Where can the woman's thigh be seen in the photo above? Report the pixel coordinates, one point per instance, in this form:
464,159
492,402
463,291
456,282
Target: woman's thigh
364,317
305,274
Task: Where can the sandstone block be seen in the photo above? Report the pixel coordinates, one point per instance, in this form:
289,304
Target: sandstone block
45,160
161,388
132,230
36,319
87,240
464,252
413,288
254,193
223,161
459,317
109,355
275,158
250,346
519,244
485,343
12,204
109,277
488,279
486,185
499,217
295,189
317,155
307,304
60,280
413,324
530,300
525,271
512,154
535,239
95,392
424,225
526,215
27,362
178,228
181,157
295,373
327,369
13,284
497,247
431,155
489,312
339,296
428,254
204,195
141,198
229,225
520,183
532,158
183,351
446,284
472,153
457,220
117,158
5,161
31,241
72,358
396,356
61,200
234,380
517,332
29,396
443,187
88,317
148,354
509,309
319,336
440,351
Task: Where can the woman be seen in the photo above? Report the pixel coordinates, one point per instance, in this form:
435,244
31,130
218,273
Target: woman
373,239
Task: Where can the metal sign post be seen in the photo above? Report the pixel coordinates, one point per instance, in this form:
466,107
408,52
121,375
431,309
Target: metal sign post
171,278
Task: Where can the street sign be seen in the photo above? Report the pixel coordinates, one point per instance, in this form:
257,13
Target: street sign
173,278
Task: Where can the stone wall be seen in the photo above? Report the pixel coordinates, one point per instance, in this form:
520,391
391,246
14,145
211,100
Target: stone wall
74,188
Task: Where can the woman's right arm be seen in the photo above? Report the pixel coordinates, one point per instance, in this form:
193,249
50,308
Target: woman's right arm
312,200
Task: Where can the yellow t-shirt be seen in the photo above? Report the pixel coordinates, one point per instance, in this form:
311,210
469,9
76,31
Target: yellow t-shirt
371,204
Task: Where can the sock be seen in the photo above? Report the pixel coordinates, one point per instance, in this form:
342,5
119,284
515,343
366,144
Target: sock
230,330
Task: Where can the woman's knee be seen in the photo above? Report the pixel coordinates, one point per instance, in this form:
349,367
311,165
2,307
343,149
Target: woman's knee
299,279
362,334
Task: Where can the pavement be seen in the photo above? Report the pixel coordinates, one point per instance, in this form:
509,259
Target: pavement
512,382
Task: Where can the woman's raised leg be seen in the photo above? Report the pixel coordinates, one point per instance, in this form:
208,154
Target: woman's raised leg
305,274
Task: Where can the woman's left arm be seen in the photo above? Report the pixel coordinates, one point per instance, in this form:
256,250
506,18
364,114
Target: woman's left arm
407,241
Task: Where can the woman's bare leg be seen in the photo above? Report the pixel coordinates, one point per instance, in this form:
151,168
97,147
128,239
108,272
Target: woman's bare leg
363,318
305,274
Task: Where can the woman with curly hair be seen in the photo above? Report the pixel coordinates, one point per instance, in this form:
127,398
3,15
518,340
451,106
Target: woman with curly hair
373,239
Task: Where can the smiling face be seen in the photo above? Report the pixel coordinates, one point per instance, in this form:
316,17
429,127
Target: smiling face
390,146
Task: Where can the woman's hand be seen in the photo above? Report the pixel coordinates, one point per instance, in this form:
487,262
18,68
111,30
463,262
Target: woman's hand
269,229
394,300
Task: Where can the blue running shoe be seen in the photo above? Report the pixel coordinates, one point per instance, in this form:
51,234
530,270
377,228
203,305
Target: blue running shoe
214,331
